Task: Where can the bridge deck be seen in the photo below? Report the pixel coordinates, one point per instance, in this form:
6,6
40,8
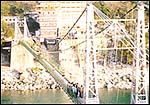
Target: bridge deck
54,72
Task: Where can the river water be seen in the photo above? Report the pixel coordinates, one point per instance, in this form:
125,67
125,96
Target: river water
54,96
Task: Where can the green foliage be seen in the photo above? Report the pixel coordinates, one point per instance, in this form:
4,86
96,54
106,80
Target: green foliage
8,30
14,8
134,2
4,8
101,6
115,9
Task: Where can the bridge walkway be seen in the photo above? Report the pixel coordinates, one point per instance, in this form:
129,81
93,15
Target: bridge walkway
54,71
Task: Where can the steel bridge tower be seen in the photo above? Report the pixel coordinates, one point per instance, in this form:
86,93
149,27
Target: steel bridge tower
90,83
139,89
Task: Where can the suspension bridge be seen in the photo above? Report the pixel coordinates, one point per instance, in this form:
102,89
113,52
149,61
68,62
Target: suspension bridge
111,29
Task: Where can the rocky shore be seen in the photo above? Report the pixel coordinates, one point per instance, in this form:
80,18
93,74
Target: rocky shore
115,77
30,79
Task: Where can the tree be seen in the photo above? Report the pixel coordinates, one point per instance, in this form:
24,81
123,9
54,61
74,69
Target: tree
101,6
13,10
4,8
8,30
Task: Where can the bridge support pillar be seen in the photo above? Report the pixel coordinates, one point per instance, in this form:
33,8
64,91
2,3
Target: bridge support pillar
20,57
91,85
139,93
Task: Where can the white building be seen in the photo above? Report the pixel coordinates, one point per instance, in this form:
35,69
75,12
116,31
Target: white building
54,15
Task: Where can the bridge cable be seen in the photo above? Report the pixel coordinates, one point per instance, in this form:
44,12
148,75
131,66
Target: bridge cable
104,28
72,26
128,12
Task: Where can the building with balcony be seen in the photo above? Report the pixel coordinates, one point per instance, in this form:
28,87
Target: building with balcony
47,18
56,18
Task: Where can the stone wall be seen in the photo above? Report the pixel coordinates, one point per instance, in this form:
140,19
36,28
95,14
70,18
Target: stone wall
20,57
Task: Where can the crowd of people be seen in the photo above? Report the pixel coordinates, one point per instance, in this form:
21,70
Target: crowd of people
75,90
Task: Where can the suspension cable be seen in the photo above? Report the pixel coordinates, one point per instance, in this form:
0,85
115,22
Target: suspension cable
128,12
85,39
72,26
104,28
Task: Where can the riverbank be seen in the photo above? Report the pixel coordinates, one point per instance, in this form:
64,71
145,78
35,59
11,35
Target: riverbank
117,76
36,78
30,79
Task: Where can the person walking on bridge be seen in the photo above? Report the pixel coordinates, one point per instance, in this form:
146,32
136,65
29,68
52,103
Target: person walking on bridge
74,89
81,91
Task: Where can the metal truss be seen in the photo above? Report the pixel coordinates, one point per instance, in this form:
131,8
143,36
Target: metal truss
139,89
91,88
